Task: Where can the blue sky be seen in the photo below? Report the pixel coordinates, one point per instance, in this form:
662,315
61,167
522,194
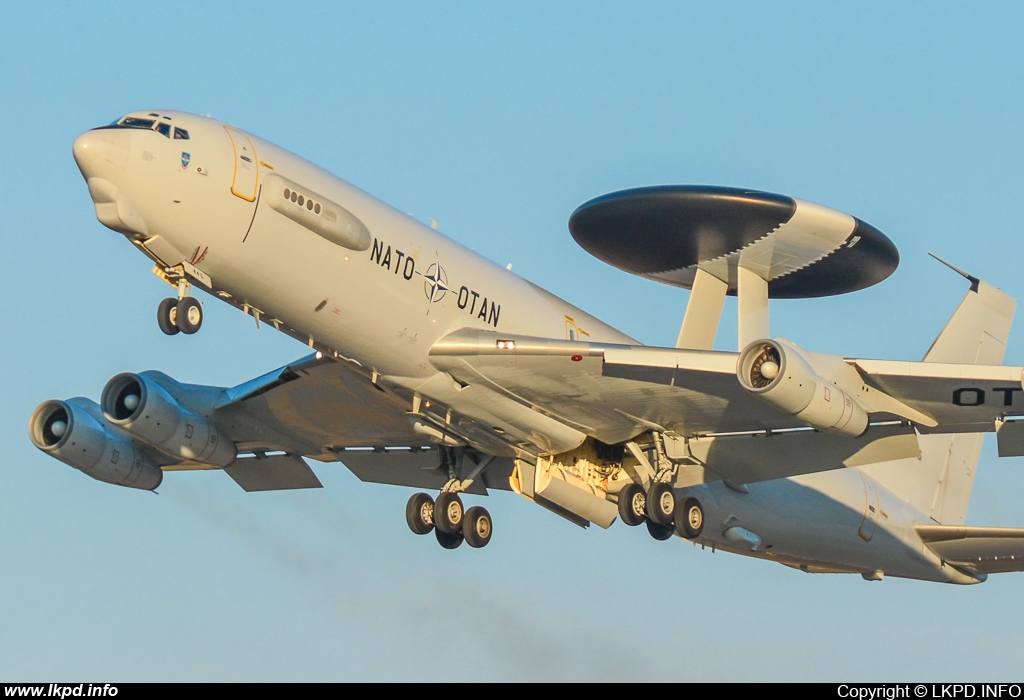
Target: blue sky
496,120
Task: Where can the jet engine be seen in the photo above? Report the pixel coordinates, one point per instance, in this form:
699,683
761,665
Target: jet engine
148,412
71,431
782,377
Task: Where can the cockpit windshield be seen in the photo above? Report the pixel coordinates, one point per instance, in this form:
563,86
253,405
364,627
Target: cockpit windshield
160,126
136,123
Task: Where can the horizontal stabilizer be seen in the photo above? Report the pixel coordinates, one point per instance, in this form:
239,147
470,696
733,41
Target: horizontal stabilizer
275,473
983,550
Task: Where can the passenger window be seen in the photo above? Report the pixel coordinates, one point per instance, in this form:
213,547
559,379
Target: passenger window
164,129
180,134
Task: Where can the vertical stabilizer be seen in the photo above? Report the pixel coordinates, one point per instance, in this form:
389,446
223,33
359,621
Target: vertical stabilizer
939,484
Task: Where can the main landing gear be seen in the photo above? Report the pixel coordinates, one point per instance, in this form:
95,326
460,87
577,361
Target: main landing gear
658,508
450,523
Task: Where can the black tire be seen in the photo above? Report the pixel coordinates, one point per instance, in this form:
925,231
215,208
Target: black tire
661,504
477,527
190,315
632,505
659,532
448,513
166,314
419,513
448,540
690,522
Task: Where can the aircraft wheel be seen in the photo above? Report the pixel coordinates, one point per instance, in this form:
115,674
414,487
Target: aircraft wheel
477,527
448,540
166,315
632,505
659,532
419,513
448,513
190,315
661,504
690,522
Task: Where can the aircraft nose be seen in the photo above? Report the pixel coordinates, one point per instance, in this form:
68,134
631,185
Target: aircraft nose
103,153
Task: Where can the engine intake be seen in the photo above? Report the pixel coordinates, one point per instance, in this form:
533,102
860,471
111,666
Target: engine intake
781,376
71,432
147,411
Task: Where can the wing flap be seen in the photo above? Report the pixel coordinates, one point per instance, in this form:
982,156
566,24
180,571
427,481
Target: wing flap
419,469
273,473
984,550
746,459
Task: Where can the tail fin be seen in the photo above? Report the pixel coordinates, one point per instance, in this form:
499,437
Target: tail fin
939,485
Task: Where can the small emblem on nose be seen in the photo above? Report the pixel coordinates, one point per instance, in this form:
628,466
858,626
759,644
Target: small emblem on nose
185,158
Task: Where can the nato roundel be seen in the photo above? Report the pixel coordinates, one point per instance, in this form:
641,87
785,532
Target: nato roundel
665,233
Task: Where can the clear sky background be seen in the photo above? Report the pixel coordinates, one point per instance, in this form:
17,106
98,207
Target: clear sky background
497,120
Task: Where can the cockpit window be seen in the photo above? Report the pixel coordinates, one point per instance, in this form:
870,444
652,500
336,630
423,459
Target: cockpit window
150,125
136,123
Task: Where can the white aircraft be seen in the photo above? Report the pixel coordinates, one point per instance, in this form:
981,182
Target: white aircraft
435,368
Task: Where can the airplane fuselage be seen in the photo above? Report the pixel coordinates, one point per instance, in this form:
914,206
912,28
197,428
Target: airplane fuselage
385,305
218,202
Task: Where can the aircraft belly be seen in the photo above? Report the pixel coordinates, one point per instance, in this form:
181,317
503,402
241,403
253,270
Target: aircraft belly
816,520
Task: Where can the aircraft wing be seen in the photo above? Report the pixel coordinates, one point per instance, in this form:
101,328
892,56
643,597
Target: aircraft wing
313,407
328,411
613,392
323,409
983,550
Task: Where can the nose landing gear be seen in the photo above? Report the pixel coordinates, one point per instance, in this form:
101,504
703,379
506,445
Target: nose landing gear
181,314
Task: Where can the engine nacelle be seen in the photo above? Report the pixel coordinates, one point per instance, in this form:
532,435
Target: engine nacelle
148,412
71,432
781,376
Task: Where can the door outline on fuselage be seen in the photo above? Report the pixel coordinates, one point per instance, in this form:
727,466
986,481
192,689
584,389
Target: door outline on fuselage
871,508
246,163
